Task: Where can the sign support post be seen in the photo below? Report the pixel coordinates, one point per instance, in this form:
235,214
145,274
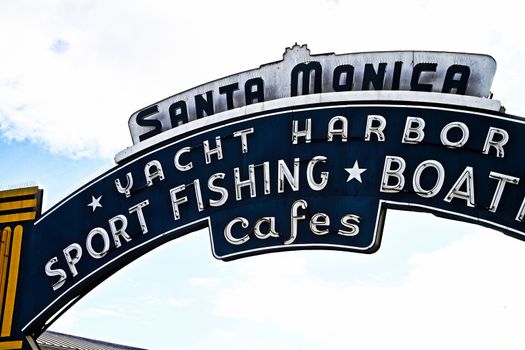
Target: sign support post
19,209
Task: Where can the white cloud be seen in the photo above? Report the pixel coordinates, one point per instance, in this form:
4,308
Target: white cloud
205,282
445,301
223,333
271,347
179,302
101,312
73,72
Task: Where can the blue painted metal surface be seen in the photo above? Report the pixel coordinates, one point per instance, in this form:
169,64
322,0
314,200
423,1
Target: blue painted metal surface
332,194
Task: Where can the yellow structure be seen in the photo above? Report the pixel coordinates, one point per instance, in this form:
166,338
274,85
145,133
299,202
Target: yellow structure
16,207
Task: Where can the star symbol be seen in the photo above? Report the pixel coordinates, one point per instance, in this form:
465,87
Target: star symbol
95,203
355,172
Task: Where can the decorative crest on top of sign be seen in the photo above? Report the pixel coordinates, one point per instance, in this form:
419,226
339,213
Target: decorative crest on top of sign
299,52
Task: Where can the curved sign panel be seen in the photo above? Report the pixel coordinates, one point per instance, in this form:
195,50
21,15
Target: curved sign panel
317,176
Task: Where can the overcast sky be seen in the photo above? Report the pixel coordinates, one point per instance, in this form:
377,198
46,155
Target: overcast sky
71,74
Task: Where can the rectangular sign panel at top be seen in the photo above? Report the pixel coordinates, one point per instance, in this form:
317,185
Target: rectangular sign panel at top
300,73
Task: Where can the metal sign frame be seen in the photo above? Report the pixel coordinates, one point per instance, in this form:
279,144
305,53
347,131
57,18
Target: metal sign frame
313,171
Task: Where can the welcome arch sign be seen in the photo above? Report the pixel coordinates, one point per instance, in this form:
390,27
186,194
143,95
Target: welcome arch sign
305,153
